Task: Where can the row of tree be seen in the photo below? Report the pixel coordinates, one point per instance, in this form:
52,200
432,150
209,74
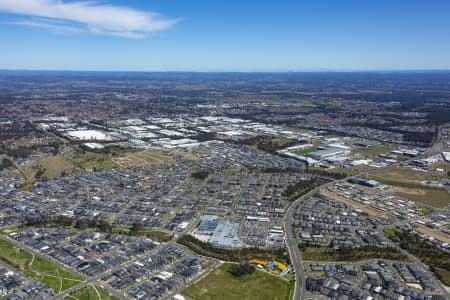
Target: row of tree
5,163
347,253
65,221
325,173
200,175
302,187
438,260
243,268
234,255
268,143
101,225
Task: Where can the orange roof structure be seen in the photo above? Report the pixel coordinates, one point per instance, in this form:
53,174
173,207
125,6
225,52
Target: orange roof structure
259,262
281,266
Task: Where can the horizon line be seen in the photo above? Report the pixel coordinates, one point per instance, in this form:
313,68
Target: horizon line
236,71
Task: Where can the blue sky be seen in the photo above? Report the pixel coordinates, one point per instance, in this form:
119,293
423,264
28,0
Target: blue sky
231,35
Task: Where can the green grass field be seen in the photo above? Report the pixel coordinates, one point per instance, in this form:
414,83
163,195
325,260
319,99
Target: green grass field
305,151
434,197
38,268
426,210
11,229
221,285
48,166
408,184
90,160
390,233
89,293
400,174
54,166
12,255
444,275
442,165
372,151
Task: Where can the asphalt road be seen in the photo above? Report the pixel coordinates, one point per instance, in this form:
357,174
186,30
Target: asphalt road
436,147
291,243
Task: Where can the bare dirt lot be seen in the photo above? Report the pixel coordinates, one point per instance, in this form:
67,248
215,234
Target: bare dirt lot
371,211
142,158
436,197
434,233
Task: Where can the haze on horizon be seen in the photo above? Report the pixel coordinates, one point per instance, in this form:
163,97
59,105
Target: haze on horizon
178,35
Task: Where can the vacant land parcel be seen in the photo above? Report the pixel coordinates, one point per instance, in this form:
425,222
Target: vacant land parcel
221,285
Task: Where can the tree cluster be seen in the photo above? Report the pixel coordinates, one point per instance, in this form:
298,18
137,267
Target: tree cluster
200,175
237,255
5,163
301,188
347,253
64,221
438,260
419,138
268,143
325,173
100,225
241,269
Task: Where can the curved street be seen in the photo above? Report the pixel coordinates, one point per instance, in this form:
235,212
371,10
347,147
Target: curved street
292,245
291,242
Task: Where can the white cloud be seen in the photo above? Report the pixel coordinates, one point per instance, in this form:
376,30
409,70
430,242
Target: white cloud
93,16
47,25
